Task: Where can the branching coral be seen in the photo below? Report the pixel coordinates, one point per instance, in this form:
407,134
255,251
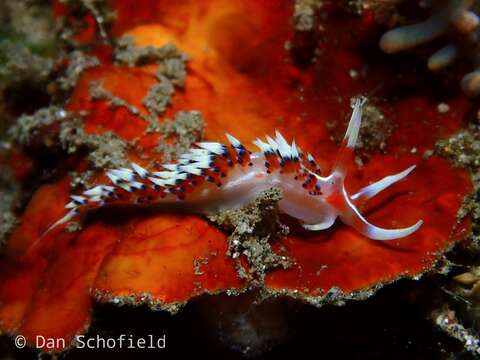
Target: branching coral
449,14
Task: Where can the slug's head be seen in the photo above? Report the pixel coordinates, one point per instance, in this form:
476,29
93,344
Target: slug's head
345,205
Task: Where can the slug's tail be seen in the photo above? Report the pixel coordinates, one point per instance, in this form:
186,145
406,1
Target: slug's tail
69,216
74,208
74,211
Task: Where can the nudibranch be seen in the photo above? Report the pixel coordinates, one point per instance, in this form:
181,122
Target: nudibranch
213,177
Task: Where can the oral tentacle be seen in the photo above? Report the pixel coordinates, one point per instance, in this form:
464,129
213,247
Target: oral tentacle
371,190
352,216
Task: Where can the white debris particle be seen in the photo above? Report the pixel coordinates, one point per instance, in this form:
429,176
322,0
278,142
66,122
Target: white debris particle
443,108
353,73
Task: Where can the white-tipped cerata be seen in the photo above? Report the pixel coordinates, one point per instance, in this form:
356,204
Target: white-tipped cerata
139,170
233,141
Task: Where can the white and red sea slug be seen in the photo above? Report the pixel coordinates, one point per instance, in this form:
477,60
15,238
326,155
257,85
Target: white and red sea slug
213,177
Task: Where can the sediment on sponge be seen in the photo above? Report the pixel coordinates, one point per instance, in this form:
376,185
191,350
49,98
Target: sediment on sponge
375,131
305,14
463,149
73,16
106,149
179,135
78,62
10,195
253,228
171,73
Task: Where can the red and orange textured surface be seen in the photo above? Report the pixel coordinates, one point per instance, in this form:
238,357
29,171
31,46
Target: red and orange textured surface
243,80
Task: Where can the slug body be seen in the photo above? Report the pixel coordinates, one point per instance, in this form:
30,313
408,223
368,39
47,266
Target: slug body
214,177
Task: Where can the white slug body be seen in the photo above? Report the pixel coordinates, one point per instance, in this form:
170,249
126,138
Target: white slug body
214,176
